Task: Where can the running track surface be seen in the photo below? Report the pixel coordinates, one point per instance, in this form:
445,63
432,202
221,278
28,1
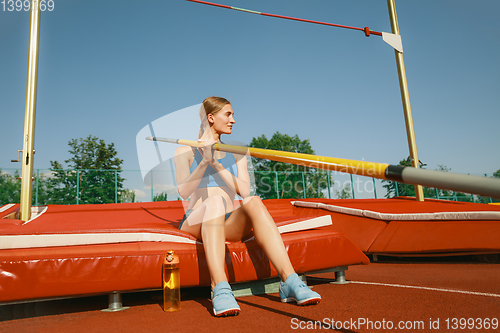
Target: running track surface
382,293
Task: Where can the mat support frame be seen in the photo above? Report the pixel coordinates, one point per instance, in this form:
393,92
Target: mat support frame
115,303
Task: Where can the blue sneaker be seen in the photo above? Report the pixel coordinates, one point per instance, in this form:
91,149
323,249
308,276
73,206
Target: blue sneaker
223,300
293,289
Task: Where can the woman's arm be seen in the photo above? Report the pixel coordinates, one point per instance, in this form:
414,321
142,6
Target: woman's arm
187,181
240,184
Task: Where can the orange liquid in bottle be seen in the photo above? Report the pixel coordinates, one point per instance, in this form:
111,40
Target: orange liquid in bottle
171,283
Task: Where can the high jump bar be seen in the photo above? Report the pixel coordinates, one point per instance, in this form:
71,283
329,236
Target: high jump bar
484,186
366,30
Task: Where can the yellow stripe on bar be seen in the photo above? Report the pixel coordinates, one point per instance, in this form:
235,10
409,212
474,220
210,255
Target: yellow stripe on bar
362,168
489,187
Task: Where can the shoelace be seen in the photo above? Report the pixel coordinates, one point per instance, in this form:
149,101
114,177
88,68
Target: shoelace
301,285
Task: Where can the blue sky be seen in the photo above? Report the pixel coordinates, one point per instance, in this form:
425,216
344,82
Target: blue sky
108,68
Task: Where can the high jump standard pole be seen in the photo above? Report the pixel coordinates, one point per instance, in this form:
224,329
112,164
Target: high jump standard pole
29,116
405,96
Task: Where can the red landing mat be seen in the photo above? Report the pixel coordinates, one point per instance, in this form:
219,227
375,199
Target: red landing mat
88,266
403,226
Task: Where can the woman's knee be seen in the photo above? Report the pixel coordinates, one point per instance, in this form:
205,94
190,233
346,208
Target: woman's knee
253,201
215,201
253,205
214,207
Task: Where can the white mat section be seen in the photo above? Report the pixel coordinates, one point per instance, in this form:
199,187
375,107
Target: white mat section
453,216
315,222
4,208
46,240
36,212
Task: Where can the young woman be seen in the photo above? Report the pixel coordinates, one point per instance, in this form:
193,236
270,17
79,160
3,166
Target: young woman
212,179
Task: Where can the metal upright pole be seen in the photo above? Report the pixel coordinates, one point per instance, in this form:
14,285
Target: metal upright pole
410,131
29,117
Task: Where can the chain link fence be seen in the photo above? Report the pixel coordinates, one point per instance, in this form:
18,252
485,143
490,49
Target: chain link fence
91,186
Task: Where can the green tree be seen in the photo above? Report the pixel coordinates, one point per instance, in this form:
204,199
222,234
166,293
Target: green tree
10,187
42,189
291,178
127,195
94,174
345,192
160,196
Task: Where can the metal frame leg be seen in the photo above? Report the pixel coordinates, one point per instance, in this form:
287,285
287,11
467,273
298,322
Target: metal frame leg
115,303
340,278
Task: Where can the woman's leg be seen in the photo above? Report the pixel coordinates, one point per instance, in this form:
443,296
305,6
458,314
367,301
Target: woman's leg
253,213
206,222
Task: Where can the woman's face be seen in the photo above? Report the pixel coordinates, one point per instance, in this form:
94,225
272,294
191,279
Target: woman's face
223,120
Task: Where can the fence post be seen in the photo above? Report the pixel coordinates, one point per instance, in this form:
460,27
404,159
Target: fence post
303,186
374,188
397,190
328,181
78,186
116,186
152,194
352,188
36,191
491,200
277,185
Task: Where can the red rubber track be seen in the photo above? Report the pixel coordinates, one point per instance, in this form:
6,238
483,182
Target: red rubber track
267,314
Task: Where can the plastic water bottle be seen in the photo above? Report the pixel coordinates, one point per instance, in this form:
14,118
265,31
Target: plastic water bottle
171,283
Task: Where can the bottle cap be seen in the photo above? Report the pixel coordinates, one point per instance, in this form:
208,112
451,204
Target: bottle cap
171,258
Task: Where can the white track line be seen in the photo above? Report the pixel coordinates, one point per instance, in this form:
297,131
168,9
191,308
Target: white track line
428,288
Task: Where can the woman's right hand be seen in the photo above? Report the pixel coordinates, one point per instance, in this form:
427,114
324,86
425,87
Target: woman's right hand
206,152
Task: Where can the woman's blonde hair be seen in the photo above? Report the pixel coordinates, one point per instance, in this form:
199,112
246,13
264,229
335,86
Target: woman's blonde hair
211,105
